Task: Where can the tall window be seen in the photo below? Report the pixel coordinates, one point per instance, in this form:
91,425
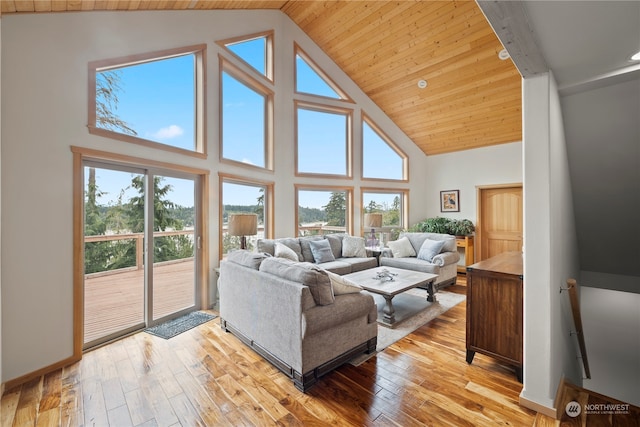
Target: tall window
323,140
242,197
152,99
381,159
323,210
390,203
247,115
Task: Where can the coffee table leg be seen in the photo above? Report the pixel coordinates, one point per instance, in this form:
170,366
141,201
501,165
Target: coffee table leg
388,311
431,295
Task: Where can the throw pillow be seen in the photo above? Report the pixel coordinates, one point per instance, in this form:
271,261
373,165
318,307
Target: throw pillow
401,248
429,249
307,255
353,247
342,285
335,240
321,250
283,251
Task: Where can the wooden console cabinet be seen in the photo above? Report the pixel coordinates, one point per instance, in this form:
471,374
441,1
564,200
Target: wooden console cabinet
465,242
494,309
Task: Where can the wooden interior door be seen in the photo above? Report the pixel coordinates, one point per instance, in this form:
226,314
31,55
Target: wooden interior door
499,225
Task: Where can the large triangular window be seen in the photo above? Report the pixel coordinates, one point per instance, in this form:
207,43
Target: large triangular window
311,80
255,50
381,159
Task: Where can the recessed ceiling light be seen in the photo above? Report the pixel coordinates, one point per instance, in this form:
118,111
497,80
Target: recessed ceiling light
422,84
636,57
503,54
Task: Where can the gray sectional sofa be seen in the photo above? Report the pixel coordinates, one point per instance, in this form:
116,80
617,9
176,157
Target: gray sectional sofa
444,262
344,262
288,312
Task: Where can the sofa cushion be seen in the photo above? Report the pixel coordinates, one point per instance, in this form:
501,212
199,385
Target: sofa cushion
335,240
342,285
338,266
316,279
283,251
268,246
247,258
358,264
401,248
321,250
408,263
417,238
429,249
353,246
307,253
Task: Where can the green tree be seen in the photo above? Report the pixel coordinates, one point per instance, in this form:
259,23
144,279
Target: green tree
391,215
107,89
372,207
260,207
336,209
96,254
165,247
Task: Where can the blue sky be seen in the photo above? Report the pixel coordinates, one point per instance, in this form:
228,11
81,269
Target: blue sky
157,100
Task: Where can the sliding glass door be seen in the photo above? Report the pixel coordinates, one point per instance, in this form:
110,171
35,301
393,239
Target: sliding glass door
140,249
174,244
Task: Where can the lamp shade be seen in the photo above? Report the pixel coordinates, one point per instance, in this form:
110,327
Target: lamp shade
373,220
243,224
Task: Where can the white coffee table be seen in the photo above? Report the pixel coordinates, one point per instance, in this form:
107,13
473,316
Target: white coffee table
403,280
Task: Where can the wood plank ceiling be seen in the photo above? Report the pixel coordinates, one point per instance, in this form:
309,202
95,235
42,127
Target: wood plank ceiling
473,99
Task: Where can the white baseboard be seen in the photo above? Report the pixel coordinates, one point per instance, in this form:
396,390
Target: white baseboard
535,406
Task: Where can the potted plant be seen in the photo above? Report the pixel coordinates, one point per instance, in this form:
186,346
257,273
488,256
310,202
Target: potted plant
456,227
433,225
461,227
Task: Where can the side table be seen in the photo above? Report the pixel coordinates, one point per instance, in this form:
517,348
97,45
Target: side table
375,251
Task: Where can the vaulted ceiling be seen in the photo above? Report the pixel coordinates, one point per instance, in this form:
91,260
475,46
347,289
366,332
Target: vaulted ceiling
472,98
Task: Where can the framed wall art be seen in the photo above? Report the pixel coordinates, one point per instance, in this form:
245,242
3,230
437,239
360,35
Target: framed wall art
450,201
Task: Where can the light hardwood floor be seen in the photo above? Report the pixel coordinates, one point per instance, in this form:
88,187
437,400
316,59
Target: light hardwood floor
206,377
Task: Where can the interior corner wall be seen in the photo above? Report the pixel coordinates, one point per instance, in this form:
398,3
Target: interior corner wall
550,248
44,79
564,255
465,171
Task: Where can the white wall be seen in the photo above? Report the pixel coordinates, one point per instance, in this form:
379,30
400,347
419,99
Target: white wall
44,112
550,248
464,171
564,255
603,141
611,321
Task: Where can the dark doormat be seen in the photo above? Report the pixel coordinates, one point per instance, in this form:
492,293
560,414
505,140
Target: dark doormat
179,325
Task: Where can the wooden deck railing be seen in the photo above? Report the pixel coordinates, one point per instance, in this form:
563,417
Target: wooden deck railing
139,238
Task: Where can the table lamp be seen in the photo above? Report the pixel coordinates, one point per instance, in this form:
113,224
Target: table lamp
243,225
373,220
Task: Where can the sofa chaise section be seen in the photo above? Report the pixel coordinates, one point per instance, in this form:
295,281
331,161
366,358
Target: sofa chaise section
302,333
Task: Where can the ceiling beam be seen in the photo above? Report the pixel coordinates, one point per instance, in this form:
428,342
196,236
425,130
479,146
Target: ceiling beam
509,21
